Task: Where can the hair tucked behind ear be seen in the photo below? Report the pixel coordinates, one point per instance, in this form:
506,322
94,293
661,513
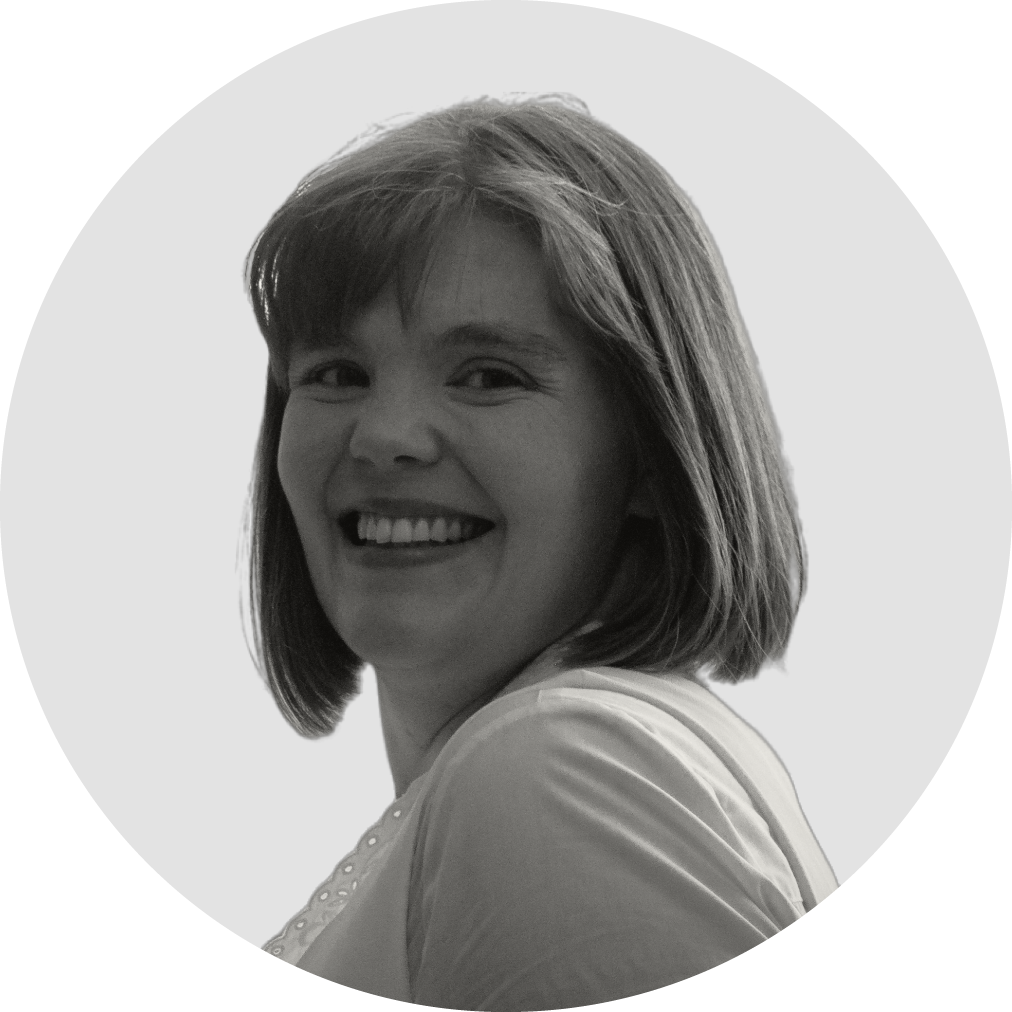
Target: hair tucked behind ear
715,574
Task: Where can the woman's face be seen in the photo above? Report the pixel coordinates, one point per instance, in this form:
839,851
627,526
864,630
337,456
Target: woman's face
459,477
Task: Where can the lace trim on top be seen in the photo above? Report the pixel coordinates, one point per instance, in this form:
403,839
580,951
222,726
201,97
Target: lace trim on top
338,890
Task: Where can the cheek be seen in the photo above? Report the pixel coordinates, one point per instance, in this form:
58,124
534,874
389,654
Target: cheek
304,463
291,455
600,464
566,484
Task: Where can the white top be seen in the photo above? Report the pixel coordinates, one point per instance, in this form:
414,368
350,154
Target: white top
585,836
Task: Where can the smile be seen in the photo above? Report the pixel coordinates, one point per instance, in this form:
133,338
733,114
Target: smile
364,529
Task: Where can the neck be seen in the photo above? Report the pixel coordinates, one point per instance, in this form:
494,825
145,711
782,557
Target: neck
414,731
419,713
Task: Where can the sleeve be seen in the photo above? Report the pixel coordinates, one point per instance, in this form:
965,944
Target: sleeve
570,856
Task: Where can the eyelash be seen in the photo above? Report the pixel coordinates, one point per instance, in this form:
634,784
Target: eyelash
316,376
517,378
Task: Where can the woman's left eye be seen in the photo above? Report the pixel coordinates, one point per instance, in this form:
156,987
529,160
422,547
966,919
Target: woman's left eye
492,377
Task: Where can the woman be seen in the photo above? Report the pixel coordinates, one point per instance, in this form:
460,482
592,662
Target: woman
517,456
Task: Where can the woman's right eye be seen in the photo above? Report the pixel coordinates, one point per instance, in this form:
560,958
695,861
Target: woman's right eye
338,375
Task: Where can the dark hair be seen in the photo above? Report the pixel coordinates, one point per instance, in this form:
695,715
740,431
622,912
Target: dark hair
722,566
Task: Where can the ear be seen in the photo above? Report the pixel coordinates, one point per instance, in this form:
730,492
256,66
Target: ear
641,502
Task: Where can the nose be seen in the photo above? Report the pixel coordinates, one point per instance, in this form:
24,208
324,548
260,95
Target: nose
395,427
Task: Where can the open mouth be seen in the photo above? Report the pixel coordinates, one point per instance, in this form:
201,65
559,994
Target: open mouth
375,529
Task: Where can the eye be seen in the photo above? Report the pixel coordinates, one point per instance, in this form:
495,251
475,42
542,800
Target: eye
492,376
338,375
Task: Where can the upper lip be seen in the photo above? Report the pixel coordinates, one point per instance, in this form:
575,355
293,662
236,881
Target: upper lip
413,508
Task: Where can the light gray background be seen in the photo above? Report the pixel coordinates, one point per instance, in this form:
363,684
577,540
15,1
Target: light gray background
132,427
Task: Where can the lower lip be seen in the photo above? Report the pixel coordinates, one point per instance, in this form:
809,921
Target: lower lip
393,557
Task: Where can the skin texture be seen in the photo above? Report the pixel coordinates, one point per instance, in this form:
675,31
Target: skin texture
480,400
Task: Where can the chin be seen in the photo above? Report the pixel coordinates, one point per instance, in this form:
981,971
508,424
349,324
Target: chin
406,631
389,644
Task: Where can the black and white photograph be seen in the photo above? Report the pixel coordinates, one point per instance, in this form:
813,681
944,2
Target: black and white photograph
505,506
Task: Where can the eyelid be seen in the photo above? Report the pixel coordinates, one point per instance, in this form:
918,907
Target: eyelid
312,371
478,364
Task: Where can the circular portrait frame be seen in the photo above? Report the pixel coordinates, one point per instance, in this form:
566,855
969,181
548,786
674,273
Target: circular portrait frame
174,769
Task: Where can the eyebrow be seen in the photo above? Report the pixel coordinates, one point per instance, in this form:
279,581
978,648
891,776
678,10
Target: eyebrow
479,335
502,337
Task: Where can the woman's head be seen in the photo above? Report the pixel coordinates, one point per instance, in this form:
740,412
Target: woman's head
399,290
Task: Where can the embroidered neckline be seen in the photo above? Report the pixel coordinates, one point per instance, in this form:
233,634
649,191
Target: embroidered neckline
334,894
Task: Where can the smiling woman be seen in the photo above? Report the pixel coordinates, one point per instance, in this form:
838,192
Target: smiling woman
488,474
517,456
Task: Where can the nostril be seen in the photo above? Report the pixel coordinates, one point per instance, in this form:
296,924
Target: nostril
395,440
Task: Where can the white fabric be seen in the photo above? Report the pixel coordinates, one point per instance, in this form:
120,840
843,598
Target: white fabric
585,836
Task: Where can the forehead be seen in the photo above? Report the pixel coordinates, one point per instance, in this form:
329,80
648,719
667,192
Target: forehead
481,283
483,271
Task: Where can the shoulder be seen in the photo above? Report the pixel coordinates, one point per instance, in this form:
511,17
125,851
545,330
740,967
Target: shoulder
586,718
543,730
577,841
578,757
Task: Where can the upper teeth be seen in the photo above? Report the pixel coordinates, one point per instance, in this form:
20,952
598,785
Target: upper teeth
404,530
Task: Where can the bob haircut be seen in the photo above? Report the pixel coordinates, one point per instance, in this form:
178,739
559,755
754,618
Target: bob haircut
721,565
